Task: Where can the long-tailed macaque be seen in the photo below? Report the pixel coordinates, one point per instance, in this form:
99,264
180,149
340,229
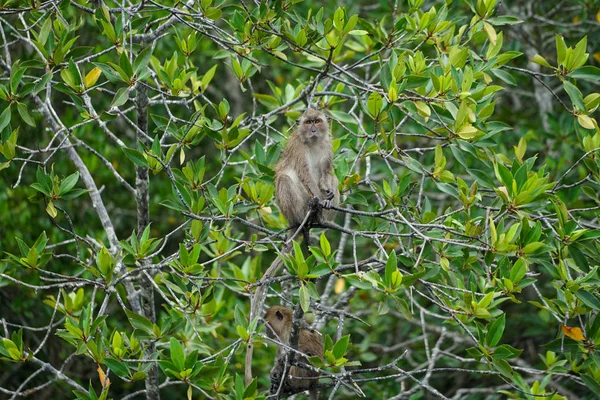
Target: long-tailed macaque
304,175
279,326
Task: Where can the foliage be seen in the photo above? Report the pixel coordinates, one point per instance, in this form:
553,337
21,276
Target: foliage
464,258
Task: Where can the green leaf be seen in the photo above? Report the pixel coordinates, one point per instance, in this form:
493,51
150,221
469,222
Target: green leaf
126,68
15,78
68,183
561,49
486,300
177,354
591,383
142,60
391,265
504,20
338,18
518,271
45,31
301,38
5,118
541,60
304,298
574,94
504,368
495,331
375,104
208,76
139,322
32,257
506,351
135,156
116,366
588,299
325,246
589,73
22,109
532,247
505,76
40,188
213,13
120,98
242,332
73,194
340,347
351,23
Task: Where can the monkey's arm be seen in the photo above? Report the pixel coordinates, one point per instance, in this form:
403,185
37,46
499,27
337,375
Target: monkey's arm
329,186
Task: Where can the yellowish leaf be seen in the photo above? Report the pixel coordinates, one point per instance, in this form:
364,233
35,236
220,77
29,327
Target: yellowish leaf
489,29
487,79
573,333
266,209
352,179
471,115
340,285
102,376
51,210
586,122
280,55
445,263
520,149
92,77
423,109
467,132
393,94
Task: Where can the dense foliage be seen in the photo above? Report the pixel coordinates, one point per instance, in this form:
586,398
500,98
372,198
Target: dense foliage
138,218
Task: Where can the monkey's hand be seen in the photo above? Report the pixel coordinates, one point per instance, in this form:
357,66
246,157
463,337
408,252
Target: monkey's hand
330,194
328,202
313,203
276,376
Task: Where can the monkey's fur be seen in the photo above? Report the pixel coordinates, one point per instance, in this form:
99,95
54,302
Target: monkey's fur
279,326
304,176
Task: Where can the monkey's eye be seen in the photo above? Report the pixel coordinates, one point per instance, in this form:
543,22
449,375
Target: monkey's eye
308,122
279,315
317,121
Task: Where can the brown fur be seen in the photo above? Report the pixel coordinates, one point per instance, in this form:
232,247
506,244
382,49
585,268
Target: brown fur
279,326
305,170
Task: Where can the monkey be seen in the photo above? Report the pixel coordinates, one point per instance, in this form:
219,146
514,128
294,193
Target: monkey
279,326
304,177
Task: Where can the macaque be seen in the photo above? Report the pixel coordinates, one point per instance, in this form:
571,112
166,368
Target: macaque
304,174
279,326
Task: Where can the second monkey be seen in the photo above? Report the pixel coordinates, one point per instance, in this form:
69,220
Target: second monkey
304,173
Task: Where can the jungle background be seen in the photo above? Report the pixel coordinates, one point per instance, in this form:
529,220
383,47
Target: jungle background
138,218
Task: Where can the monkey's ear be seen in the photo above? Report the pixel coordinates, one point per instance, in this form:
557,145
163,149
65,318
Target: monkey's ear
298,121
279,315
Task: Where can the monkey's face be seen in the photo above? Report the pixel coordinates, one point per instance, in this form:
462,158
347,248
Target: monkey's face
313,125
278,320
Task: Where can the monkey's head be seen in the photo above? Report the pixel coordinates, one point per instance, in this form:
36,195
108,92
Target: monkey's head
313,126
278,320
